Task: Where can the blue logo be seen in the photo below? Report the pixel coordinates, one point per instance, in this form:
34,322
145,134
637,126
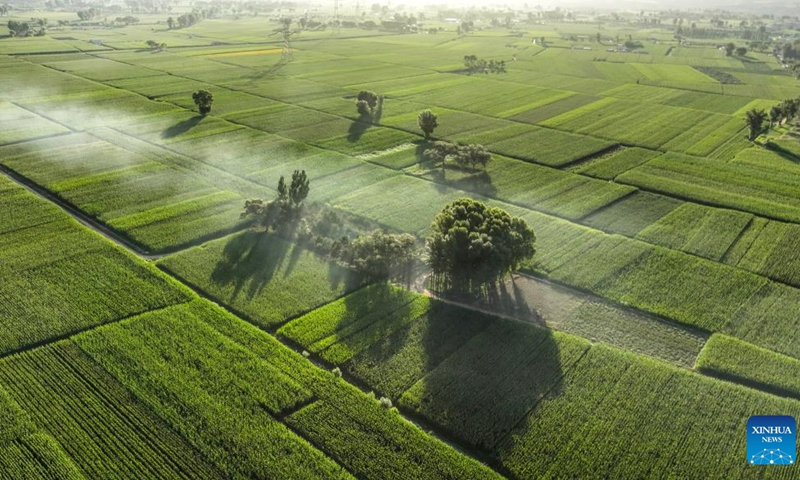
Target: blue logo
771,440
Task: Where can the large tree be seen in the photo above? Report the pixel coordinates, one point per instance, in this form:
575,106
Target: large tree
755,121
472,246
428,121
203,99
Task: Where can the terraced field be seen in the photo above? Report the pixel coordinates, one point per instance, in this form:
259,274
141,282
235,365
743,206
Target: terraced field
662,302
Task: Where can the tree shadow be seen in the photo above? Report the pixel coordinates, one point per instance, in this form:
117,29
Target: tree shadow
254,257
358,128
181,127
505,367
783,152
479,182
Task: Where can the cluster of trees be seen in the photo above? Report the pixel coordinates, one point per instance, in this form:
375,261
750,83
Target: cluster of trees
285,207
35,27
474,64
382,255
185,20
160,47
369,104
472,246
463,155
791,50
465,27
785,111
88,14
203,99
127,20
731,48
4,9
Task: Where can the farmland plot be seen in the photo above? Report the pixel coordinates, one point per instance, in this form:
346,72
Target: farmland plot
156,204
763,190
632,214
683,418
81,280
739,361
26,451
18,124
773,252
708,232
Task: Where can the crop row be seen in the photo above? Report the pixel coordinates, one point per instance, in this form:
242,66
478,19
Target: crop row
98,423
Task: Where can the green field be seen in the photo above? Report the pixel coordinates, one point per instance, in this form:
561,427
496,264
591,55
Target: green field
151,330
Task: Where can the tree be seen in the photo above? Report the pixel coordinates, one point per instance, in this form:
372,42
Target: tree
775,115
474,155
203,99
171,23
383,255
741,51
755,121
283,192
367,102
298,190
440,151
428,121
729,48
472,245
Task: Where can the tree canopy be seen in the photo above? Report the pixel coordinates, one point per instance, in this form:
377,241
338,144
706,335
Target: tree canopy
203,99
383,255
755,121
428,121
472,246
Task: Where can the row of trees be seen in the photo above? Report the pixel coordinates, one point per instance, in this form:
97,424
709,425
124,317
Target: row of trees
473,64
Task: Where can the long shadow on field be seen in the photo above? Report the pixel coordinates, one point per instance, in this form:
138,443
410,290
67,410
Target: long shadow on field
786,154
181,127
489,379
251,260
512,302
253,257
358,128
